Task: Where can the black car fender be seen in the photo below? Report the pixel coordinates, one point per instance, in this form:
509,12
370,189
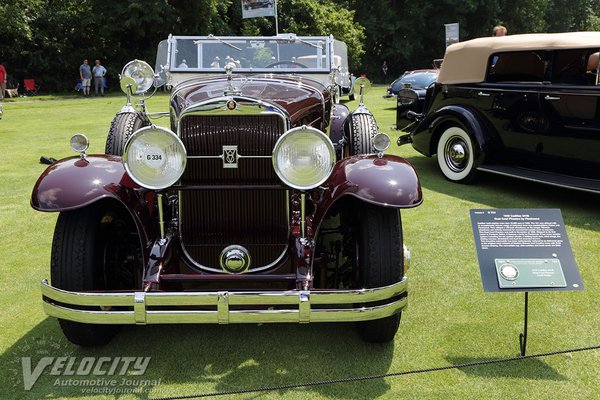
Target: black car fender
484,135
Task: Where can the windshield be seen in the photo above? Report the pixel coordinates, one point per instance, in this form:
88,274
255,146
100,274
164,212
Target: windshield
287,52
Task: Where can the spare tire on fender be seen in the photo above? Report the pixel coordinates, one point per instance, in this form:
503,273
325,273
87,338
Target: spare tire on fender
121,128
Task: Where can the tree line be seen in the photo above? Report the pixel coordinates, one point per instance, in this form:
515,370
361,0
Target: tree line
47,39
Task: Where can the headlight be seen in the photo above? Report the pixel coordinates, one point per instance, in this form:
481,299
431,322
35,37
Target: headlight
303,157
141,73
154,157
407,96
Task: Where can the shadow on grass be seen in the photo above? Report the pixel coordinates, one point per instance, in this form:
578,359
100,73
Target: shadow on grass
580,209
208,358
531,368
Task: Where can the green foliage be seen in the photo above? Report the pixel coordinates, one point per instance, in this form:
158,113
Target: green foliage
16,34
47,39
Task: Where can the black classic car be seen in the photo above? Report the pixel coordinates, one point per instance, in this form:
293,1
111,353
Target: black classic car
414,83
264,202
524,105
418,79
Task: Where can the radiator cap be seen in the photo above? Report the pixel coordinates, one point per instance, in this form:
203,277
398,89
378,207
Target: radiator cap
235,259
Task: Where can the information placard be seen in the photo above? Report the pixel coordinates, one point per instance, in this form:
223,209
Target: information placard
524,250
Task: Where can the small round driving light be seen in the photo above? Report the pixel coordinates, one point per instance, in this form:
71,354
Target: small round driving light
154,157
79,143
381,142
303,157
141,73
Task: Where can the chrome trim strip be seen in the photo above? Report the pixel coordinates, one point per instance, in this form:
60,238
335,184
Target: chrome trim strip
303,215
221,156
525,178
161,215
300,303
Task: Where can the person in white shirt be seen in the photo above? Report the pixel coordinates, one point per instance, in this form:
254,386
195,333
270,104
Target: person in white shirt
99,73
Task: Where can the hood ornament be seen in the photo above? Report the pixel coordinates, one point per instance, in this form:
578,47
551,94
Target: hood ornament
231,89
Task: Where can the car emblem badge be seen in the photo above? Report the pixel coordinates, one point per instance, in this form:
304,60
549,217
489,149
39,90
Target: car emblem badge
231,105
230,157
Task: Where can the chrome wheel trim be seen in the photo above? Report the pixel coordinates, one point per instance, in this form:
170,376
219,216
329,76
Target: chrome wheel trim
455,154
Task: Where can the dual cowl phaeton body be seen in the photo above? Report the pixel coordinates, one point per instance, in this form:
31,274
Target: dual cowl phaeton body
263,202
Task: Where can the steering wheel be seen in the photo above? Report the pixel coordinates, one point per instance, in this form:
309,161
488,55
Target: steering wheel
286,62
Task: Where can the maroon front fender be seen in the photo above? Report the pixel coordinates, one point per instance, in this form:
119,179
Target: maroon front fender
389,181
76,182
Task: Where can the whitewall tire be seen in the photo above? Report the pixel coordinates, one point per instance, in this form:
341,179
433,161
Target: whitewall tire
456,155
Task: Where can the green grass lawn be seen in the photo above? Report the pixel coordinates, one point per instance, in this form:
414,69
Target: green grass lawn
449,320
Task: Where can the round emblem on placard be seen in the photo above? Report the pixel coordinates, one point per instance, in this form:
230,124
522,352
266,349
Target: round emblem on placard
509,272
231,105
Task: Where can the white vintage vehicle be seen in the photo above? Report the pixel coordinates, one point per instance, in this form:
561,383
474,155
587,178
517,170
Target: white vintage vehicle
323,58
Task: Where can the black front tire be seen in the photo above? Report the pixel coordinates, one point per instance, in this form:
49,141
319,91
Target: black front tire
90,250
381,262
121,128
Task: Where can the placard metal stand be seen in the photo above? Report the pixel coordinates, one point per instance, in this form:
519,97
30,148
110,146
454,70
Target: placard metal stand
523,336
524,250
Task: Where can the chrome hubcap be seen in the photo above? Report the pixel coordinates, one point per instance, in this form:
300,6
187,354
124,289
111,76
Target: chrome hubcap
456,154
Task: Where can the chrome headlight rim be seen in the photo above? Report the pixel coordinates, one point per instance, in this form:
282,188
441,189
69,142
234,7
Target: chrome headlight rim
381,142
136,136
79,143
148,76
319,135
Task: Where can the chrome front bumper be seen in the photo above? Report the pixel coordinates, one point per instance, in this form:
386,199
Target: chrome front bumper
301,306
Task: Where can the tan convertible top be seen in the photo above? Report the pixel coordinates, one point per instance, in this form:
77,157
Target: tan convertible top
466,62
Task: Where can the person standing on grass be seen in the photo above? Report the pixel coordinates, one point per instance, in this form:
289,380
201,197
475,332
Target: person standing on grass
99,72
384,71
2,80
85,73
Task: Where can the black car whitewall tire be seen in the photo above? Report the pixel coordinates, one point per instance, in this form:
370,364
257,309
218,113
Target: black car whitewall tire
94,249
381,262
456,155
121,128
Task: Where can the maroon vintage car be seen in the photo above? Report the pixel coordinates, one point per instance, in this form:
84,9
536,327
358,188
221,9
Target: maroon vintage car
264,202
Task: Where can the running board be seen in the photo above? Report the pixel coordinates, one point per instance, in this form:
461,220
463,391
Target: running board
565,181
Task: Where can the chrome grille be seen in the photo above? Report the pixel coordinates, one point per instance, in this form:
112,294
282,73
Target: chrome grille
214,219
254,135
